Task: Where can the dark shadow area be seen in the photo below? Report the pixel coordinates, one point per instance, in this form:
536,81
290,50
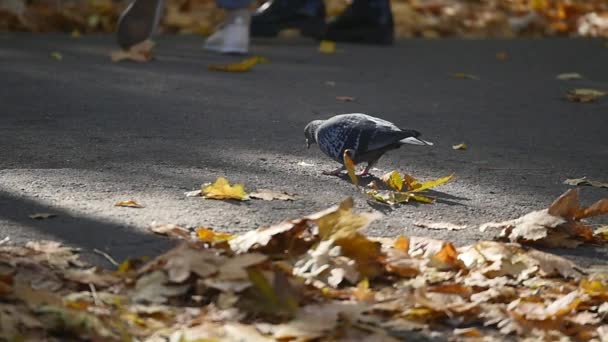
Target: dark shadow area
120,242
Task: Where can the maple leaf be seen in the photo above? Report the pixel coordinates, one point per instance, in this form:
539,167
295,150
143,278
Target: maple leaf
393,179
221,189
129,204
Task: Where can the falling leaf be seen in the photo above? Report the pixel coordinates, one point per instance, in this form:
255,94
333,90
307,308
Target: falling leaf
393,179
270,195
129,204
209,235
42,216
350,166
57,56
440,225
327,47
584,181
569,76
243,66
141,52
461,146
345,98
221,189
584,95
464,76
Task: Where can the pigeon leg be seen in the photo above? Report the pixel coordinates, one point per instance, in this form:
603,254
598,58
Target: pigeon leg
335,172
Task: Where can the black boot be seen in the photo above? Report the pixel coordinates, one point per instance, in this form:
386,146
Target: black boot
275,15
364,21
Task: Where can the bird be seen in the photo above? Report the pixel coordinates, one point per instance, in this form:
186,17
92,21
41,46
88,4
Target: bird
367,138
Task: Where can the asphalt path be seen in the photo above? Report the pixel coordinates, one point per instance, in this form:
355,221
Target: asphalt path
80,134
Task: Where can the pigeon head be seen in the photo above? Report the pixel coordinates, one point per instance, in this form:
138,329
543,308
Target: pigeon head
310,132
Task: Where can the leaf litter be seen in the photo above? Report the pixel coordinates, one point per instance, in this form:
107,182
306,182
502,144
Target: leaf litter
318,277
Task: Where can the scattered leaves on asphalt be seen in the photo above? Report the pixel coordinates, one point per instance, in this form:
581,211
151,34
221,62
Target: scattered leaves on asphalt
141,52
463,76
42,216
584,95
128,204
345,98
271,195
461,147
585,182
327,47
243,66
439,225
222,190
569,76
560,225
58,56
316,277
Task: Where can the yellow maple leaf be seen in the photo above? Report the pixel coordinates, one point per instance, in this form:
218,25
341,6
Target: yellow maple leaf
327,47
221,189
432,183
209,235
393,179
129,204
402,243
243,66
350,166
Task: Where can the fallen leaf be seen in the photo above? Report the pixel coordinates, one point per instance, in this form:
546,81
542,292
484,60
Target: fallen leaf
327,47
464,76
141,52
502,56
569,76
584,181
154,288
170,230
129,204
57,56
402,243
41,216
345,98
194,193
440,225
305,164
431,184
221,189
75,34
350,166
243,66
393,179
209,235
270,195
584,95
461,146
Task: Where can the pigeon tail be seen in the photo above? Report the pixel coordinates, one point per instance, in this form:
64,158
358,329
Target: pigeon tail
415,141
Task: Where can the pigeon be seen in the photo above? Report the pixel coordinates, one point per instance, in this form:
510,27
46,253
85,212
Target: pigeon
366,136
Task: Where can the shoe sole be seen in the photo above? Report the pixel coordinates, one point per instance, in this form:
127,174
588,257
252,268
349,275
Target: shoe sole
138,22
313,28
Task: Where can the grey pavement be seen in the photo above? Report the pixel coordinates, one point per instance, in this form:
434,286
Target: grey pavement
77,135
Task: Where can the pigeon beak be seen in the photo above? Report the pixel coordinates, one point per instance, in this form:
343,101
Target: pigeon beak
307,143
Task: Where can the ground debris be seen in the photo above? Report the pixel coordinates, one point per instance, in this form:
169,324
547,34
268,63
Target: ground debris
313,278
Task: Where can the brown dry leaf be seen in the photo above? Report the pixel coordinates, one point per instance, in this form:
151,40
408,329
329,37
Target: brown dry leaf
461,147
221,190
141,52
154,288
585,95
569,76
245,65
129,204
271,195
170,230
345,98
327,264
42,216
327,47
277,237
584,181
463,76
440,225
341,223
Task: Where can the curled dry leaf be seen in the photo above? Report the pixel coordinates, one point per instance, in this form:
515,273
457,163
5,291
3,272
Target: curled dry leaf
585,182
141,52
440,225
271,195
221,190
327,47
345,98
461,146
585,95
128,204
245,65
170,230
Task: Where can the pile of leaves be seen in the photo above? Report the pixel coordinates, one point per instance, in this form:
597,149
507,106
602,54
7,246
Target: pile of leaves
427,18
313,278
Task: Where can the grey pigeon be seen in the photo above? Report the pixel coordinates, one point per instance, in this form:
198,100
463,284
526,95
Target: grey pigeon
367,137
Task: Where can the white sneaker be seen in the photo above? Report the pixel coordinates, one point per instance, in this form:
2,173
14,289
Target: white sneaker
232,35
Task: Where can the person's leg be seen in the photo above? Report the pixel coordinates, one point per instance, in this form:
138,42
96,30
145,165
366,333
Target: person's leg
233,34
138,22
275,15
364,21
